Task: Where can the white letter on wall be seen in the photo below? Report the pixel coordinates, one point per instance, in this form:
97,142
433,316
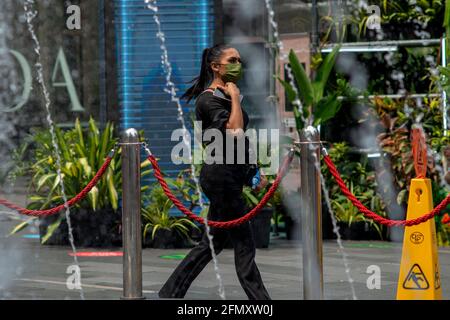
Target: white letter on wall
68,82
26,71
73,22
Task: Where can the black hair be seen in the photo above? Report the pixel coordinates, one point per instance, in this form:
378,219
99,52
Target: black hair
206,74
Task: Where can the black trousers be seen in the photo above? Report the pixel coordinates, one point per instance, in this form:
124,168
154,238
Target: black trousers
222,184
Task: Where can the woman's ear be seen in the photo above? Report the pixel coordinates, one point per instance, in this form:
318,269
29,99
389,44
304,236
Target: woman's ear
215,67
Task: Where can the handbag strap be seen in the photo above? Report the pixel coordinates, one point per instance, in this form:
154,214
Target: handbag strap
207,89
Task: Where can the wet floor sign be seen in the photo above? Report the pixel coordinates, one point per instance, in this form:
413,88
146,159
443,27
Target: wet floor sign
419,269
419,277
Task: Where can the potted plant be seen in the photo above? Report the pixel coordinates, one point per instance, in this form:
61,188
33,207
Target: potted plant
313,103
395,142
279,212
160,229
291,210
96,220
286,214
261,223
360,179
352,224
317,106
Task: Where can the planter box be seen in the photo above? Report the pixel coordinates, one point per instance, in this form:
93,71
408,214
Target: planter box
197,234
359,231
167,239
90,229
260,225
261,228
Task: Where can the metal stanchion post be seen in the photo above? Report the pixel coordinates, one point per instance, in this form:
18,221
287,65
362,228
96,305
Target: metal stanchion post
131,216
311,222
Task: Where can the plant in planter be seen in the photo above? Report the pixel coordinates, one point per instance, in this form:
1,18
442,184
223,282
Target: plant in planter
261,223
279,212
361,182
396,144
161,230
317,106
315,100
287,210
353,224
96,219
186,189
399,20
17,166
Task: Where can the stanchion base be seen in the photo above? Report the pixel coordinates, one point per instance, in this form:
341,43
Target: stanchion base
133,298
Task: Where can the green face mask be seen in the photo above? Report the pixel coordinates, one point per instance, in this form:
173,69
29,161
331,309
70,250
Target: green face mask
233,72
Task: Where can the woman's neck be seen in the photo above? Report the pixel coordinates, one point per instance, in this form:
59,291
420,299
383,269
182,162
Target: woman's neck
217,82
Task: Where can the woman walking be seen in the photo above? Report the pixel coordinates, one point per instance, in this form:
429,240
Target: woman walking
221,182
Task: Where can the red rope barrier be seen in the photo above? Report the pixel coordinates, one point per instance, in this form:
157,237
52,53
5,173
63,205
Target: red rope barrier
221,224
69,203
374,216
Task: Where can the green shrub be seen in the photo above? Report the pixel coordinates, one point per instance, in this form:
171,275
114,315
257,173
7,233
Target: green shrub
83,152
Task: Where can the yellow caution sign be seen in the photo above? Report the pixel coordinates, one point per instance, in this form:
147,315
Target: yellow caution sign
419,277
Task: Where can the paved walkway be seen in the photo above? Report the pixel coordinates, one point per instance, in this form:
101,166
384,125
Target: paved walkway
31,271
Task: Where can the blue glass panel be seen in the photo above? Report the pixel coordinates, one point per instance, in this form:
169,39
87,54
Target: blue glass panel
188,26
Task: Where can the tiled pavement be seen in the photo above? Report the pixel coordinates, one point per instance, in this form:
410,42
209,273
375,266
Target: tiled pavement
31,271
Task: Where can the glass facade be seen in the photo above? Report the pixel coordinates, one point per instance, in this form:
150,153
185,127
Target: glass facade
188,28
110,66
246,27
75,65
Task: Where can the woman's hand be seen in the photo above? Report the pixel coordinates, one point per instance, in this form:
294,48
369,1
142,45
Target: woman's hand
236,121
262,184
230,89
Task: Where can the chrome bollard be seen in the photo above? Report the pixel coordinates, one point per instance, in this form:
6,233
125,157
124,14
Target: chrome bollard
131,216
311,211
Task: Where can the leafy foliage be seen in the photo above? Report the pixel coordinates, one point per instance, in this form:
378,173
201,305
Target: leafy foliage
399,19
316,107
156,214
83,151
396,144
362,183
